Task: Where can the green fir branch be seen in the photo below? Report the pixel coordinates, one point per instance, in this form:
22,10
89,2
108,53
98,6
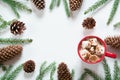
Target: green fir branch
83,76
41,69
3,25
58,3
95,6
113,11
73,74
116,71
52,72
1,19
4,68
6,73
92,74
14,41
44,70
12,5
14,73
52,4
17,5
106,70
117,24
1,65
66,8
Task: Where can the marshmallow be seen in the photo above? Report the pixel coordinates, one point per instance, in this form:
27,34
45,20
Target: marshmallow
93,58
86,44
93,41
100,49
85,54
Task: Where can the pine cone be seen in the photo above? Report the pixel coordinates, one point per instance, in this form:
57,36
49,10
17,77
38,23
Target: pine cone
89,23
9,52
113,41
63,72
75,4
29,66
17,27
40,4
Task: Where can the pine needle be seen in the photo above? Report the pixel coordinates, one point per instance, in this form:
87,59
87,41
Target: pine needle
17,5
113,11
83,76
6,73
73,73
44,70
3,25
117,24
21,6
66,8
58,3
116,71
12,7
95,6
14,41
41,69
106,70
52,72
14,73
52,4
92,74
4,68
1,65
1,19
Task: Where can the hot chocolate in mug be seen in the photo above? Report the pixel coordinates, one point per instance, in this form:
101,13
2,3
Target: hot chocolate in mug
92,49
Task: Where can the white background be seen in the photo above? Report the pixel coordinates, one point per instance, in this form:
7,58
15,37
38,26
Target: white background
55,36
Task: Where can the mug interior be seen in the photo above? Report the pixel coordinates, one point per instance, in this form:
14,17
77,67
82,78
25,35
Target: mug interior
99,40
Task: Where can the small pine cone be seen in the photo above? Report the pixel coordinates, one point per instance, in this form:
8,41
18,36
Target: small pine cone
89,23
9,52
40,4
75,4
113,41
17,27
29,66
63,72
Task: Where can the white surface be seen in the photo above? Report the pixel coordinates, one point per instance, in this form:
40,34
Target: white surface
55,36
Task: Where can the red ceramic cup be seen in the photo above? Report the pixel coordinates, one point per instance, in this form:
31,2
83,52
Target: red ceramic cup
108,54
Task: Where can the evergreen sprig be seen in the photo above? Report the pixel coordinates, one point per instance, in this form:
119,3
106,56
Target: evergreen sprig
58,2
15,5
113,11
52,72
4,24
92,74
44,70
106,70
6,73
73,74
117,24
95,6
116,71
3,67
14,73
66,8
83,76
14,41
52,4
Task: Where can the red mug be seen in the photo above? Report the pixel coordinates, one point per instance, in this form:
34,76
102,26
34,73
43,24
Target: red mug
91,56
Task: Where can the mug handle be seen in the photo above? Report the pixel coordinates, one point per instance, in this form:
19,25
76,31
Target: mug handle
111,55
